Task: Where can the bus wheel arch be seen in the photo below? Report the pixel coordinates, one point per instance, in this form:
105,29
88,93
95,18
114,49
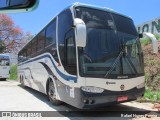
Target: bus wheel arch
51,90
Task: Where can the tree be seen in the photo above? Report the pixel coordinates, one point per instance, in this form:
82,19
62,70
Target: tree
25,39
12,38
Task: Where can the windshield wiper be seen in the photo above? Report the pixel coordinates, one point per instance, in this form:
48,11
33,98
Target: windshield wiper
117,60
115,63
131,63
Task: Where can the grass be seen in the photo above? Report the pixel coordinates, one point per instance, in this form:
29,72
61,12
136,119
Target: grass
157,36
147,40
13,72
152,95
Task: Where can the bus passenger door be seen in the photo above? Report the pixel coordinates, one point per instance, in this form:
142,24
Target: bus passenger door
70,53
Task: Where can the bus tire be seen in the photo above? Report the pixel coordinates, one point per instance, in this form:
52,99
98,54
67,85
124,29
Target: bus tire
22,81
20,78
52,94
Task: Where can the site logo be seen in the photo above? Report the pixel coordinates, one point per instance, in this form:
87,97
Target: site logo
21,114
6,114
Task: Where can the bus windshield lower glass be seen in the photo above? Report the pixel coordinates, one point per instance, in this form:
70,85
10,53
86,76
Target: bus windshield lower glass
113,49
4,62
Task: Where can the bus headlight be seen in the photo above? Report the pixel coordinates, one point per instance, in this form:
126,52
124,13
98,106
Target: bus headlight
92,89
141,85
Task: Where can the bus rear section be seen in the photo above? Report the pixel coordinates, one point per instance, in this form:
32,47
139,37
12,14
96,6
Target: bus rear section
4,67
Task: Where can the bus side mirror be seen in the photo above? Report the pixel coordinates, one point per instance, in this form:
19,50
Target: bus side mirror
140,35
80,32
16,6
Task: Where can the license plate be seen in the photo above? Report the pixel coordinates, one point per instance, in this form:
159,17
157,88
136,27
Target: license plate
122,98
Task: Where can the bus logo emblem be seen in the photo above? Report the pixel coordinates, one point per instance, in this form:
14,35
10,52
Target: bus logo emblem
122,87
110,83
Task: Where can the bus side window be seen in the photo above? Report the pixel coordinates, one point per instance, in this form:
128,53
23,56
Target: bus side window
51,34
34,46
70,53
29,50
41,40
19,56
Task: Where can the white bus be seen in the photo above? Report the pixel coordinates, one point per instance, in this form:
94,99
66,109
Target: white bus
87,56
4,67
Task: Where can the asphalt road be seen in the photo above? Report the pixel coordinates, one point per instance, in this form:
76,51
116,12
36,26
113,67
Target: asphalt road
13,97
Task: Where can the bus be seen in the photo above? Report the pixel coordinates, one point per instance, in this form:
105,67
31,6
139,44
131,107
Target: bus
4,66
87,56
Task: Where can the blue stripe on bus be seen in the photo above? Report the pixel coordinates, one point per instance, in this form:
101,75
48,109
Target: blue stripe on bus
65,77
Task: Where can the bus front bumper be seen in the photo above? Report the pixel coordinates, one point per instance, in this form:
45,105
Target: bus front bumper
4,76
90,100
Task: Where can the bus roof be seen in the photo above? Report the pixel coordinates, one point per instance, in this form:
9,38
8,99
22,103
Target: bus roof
98,8
4,56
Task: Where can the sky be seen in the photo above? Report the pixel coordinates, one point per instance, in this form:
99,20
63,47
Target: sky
140,11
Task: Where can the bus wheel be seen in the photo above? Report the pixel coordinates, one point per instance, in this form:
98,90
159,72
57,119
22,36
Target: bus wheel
22,81
52,94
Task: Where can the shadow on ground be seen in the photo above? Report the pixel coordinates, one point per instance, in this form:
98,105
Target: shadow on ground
66,110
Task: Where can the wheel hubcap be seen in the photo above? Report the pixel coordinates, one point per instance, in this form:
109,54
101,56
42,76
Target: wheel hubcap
51,91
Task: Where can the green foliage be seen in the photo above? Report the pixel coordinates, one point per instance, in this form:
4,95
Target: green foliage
159,62
152,95
13,72
145,41
146,77
2,46
151,62
148,94
158,96
157,36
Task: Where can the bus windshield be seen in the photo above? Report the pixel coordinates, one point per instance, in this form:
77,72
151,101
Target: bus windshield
4,61
113,49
